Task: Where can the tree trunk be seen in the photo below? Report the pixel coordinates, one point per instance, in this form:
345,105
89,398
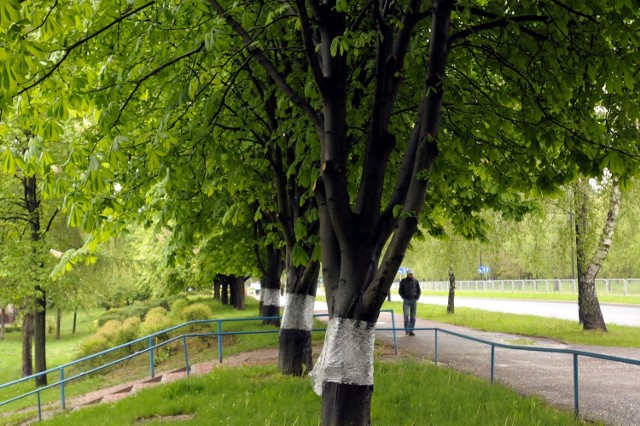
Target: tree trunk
27,339
225,293
239,292
452,292
2,317
216,289
270,283
295,355
40,335
75,317
32,205
58,321
344,404
589,312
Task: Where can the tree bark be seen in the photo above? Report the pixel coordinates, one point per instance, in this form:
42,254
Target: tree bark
589,312
270,286
2,317
238,289
40,336
296,355
58,322
39,323
452,293
27,340
75,317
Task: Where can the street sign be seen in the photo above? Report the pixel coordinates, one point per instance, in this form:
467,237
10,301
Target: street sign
402,270
483,269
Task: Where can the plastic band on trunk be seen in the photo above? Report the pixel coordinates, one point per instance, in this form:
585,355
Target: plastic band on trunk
347,354
298,312
270,297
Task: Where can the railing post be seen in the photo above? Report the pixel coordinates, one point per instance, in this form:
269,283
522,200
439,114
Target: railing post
576,392
219,324
62,388
493,362
186,356
436,347
626,287
151,371
395,339
39,407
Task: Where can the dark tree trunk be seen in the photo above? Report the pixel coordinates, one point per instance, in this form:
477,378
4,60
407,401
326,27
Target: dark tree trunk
58,322
344,404
239,293
452,292
40,335
270,283
296,357
75,318
216,289
27,340
2,318
39,324
225,293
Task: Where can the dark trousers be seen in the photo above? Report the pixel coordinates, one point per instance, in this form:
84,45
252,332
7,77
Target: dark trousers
409,311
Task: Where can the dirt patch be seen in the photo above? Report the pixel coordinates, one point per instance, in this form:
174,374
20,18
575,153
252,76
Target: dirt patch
166,419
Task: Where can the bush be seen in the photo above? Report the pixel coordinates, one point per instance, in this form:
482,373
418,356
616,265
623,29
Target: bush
178,307
197,311
93,344
110,330
129,330
113,314
137,309
156,319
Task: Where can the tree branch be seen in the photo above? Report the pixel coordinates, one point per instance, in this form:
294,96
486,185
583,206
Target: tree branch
498,23
278,79
80,42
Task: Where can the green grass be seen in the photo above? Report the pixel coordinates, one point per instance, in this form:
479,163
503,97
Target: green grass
526,325
628,300
407,393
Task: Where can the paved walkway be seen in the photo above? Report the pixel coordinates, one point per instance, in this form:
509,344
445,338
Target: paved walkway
608,391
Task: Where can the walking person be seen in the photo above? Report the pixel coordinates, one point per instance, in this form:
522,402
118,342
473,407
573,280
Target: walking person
410,293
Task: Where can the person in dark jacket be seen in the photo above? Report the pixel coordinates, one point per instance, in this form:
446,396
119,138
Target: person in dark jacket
410,293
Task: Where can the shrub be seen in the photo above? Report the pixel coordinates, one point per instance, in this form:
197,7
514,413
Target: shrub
178,307
129,330
92,345
197,311
114,314
110,330
156,319
137,309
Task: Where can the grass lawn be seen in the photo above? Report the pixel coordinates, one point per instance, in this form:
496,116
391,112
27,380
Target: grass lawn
406,393
526,325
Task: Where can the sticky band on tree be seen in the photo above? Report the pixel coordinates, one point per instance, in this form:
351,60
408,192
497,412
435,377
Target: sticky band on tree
347,354
298,312
271,297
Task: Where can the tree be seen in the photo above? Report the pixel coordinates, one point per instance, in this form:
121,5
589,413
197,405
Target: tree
516,118
353,235
589,312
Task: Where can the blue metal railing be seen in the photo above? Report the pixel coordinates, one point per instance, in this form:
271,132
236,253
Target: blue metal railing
219,334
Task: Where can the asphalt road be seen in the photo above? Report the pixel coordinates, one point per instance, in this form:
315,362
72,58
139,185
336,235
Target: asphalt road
613,313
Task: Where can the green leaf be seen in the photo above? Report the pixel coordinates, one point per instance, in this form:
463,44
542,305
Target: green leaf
8,163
